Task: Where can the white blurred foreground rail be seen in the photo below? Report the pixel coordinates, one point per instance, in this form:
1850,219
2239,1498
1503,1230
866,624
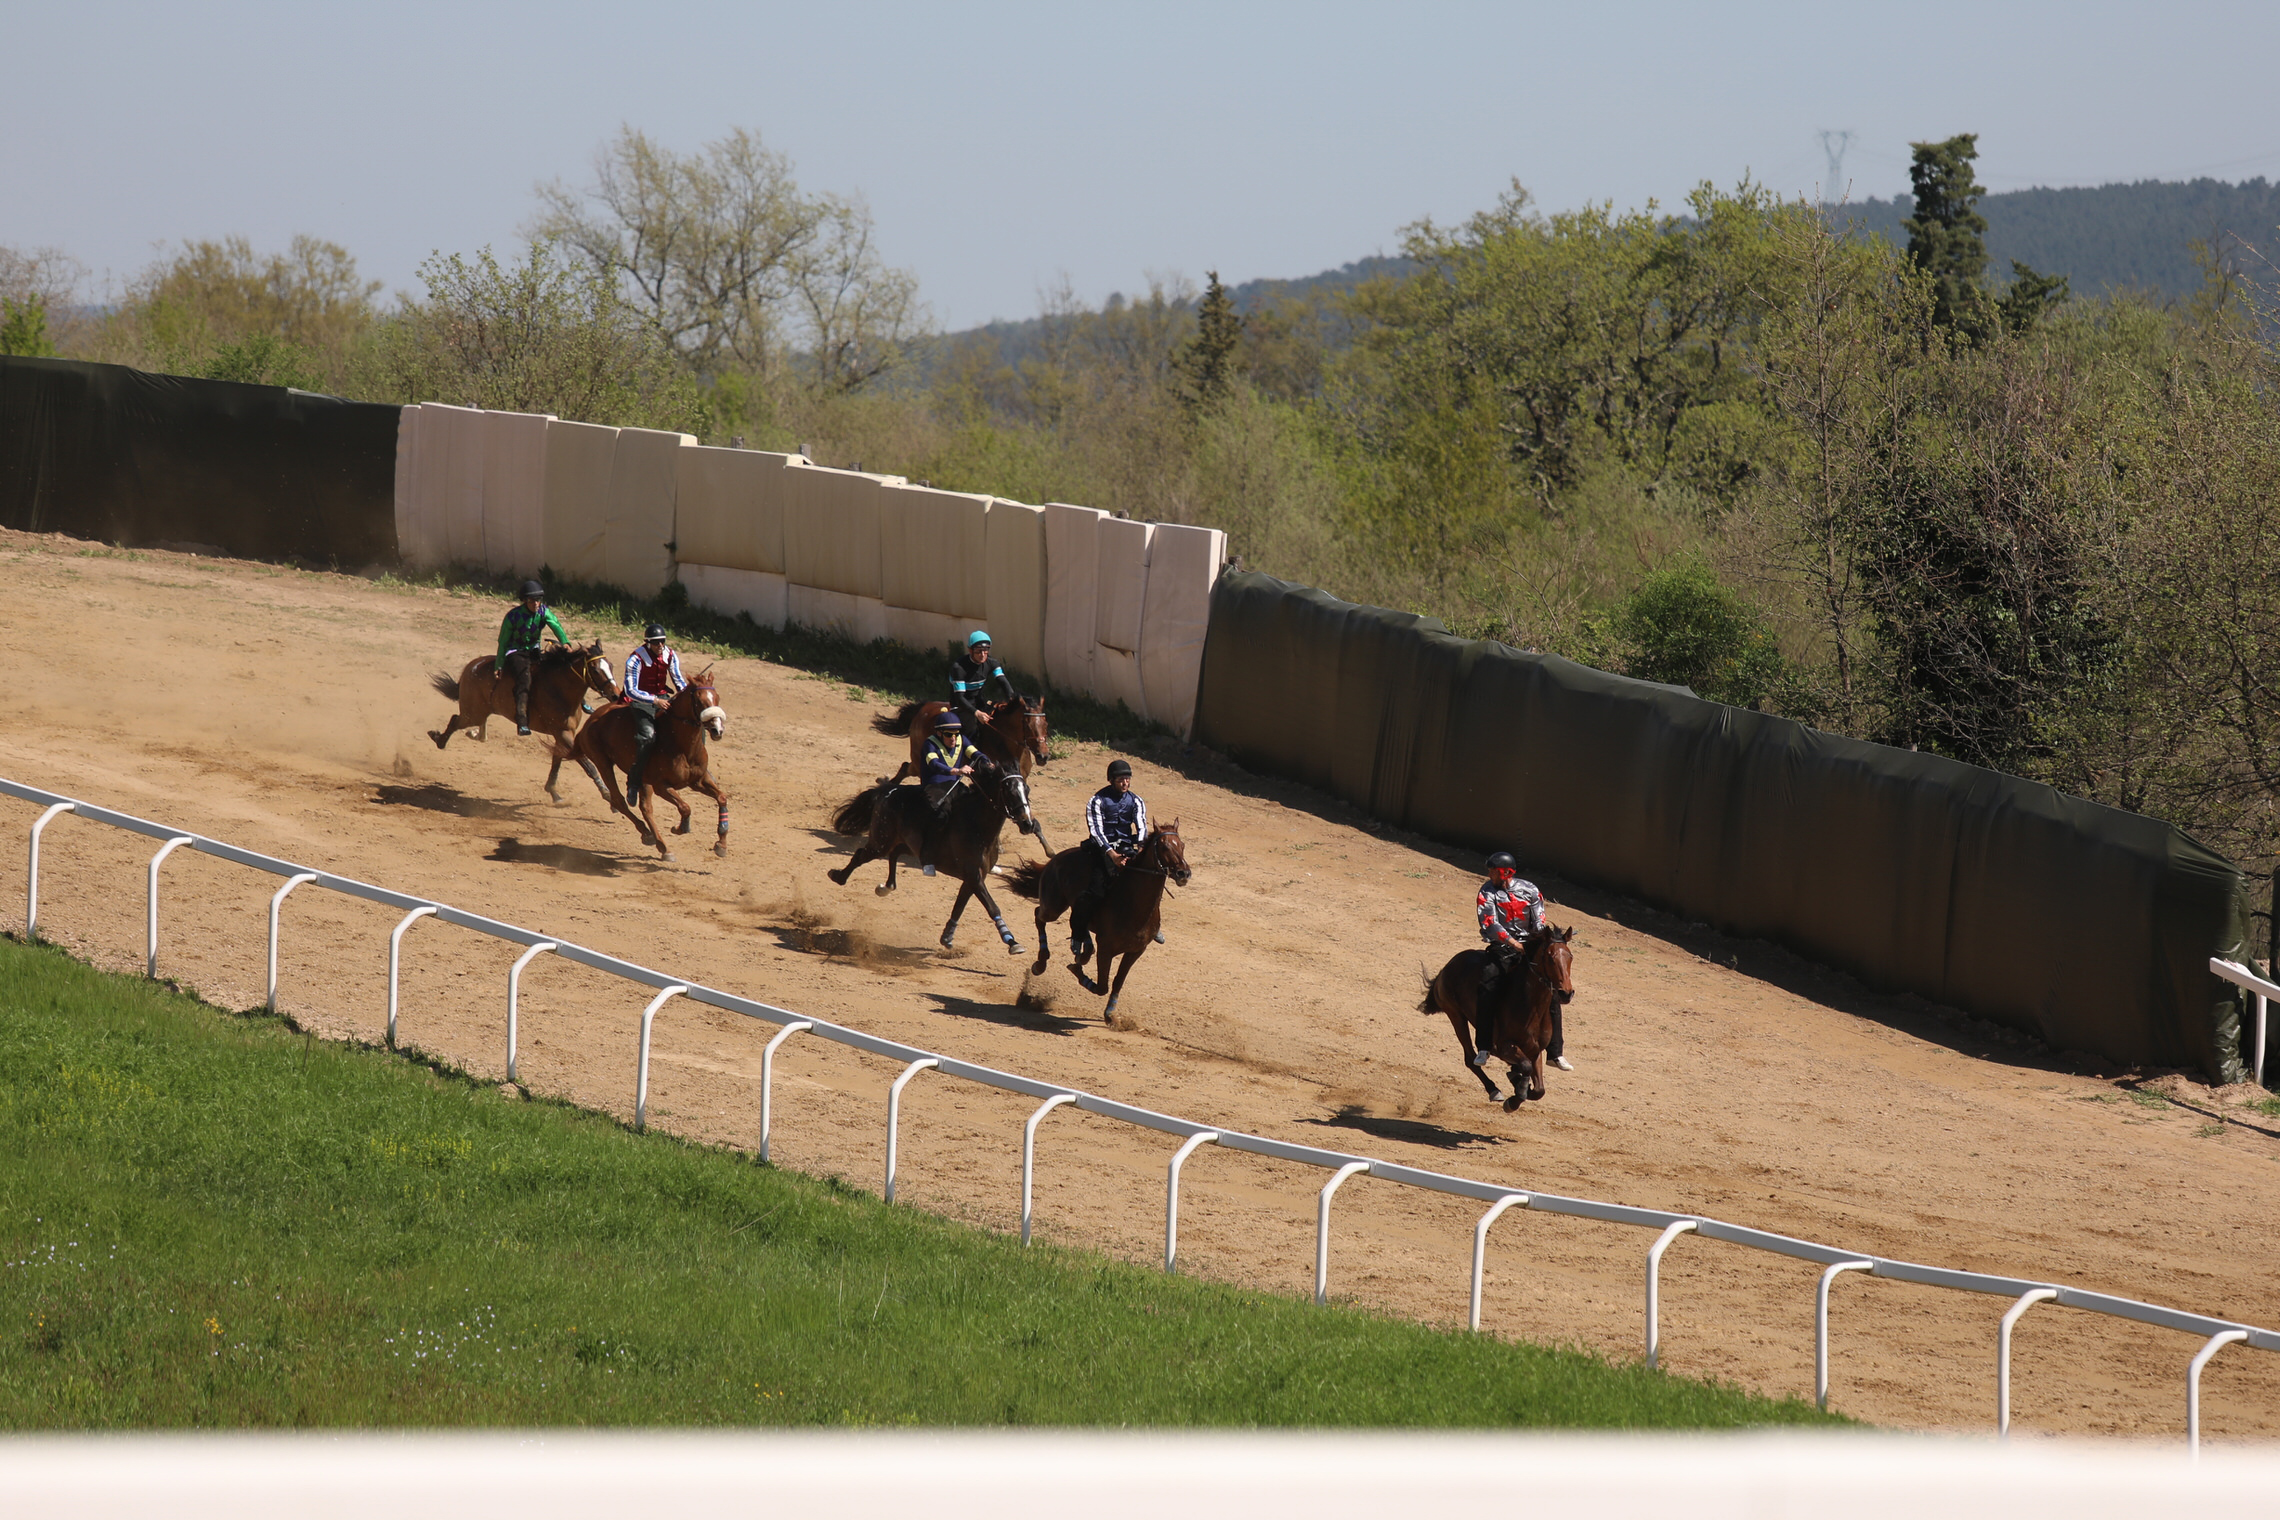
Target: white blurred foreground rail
2214,1334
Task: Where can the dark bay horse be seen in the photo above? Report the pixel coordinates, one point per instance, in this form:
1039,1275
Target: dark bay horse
557,690
1127,919
679,759
1518,1025
1013,734
961,842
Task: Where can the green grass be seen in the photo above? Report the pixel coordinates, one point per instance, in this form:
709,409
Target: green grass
208,1219
881,671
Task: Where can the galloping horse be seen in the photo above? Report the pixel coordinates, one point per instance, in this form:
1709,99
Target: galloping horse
607,744
962,842
557,690
1128,917
1518,1024
1012,733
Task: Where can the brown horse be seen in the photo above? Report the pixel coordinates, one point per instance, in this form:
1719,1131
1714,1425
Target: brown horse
607,744
1013,734
557,698
1128,917
961,841
1523,1019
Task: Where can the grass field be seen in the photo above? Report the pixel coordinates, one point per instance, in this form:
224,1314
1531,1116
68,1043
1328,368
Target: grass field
209,1219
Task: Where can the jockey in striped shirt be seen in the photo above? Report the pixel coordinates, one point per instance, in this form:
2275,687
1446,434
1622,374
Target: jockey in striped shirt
1116,823
652,680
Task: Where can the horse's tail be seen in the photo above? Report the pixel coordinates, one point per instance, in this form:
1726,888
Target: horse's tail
1026,880
445,685
1427,1004
855,814
900,723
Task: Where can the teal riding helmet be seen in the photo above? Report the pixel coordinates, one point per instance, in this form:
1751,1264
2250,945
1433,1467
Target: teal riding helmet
978,636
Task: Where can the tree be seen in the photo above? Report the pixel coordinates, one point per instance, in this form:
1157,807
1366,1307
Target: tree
2032,296
24,329
738,269
1946,236
546,335
1206,360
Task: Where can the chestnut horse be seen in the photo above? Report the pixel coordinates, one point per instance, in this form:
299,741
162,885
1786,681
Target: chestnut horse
678,759
961,841
1523,1014
1013,733
1129,915
557,691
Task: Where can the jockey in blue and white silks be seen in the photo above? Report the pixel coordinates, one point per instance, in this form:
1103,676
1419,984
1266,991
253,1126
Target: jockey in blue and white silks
1116,826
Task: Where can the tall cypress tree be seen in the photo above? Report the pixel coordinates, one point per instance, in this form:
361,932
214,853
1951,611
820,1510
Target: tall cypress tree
1207,360
1946,236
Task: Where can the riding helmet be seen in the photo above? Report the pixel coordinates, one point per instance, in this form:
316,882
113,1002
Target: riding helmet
653,631
1502,861
948,720
531,589
978,636
1118,768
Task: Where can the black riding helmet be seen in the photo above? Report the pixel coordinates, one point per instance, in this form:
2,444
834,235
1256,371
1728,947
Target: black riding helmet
1502,861
654,633
531,589
1118,768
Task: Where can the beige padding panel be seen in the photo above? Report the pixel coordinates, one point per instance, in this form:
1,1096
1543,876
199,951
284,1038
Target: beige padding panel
514,492
1014,585
419,543
934,551
459,432
643,474
579,456
730,509
933,633
861,618
755,593
1120,584
1072,570
1183,563
831,530
1116,678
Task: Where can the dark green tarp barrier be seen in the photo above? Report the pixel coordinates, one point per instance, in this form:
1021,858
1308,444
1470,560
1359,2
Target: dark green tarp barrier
104,452
2089,927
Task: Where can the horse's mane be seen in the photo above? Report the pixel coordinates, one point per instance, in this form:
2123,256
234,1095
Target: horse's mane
564,654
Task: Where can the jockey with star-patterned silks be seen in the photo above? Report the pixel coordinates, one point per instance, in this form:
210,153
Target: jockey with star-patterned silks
1510,911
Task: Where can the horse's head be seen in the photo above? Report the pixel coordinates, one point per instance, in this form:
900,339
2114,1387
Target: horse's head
1005,784
1559,963
699,702
1034,734
1170,851
596,670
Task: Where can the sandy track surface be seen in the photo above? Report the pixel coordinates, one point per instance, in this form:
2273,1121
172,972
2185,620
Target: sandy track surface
285,711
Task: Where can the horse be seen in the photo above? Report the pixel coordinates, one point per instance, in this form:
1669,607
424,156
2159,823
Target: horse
1012,733
1129,915
678,759
1523,1020
558,686
962,841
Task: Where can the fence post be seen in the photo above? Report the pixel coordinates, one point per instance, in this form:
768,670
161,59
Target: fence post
1322,1229
395,959
2026,1301
641,1076
2216,1343
32,879
1821,1326
894,1112
514,1011
1172,1193
1480,1247
1029,1152
768,1076
150,936
1670,1233
275,903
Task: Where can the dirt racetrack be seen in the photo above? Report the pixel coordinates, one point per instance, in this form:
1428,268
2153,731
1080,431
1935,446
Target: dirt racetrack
285,711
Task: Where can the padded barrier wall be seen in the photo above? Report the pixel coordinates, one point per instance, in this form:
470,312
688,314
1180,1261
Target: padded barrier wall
1183,563
514,492
2086,926
104,452
578,461
637,549
1072,573
1014,585
1120,591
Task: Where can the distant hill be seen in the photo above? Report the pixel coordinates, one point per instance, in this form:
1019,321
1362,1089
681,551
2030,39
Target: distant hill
2133,237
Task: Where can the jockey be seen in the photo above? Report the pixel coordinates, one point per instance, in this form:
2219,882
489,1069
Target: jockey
652,680
949,760
1116,826
973,671
519,633
1511,914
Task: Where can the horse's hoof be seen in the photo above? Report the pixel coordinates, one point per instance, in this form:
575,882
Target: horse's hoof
838,878
721,849
883,890
684,828
1512,1104
1013,947
1495,1095
666,856
438,738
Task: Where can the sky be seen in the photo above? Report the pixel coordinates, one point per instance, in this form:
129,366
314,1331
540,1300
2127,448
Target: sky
1006,148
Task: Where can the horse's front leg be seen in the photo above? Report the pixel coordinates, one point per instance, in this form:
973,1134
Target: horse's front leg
554,773
1123,970
989,906
711,788
674,797
648,820
863,855
451,726
957,910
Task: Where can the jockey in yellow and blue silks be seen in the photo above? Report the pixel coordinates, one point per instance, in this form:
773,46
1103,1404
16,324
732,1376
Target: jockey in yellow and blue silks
1511,914
948,760
519,634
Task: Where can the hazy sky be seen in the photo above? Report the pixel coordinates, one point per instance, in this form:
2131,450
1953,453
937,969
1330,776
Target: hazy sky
1003,146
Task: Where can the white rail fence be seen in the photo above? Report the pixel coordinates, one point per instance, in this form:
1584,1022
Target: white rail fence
2024,1293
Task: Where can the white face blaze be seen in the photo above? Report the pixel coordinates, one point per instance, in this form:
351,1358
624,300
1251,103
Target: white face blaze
715,721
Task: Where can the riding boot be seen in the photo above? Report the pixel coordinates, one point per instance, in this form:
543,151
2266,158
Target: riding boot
1080,925
644,740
